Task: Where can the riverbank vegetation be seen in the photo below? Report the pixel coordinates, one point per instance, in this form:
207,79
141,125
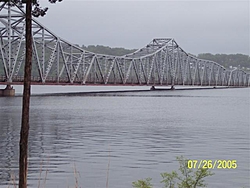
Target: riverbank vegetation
227,60
108,50
186,178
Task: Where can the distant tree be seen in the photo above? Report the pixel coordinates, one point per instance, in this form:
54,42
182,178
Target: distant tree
227,60
32,9
187,178
107,50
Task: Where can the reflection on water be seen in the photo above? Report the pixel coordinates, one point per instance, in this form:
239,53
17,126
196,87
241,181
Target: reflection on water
140,136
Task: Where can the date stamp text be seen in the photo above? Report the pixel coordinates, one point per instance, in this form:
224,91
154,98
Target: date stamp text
212,164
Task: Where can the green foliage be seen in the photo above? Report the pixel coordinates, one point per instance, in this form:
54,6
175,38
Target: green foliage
169,179
144,183
187,178
225,60
107,50
1,68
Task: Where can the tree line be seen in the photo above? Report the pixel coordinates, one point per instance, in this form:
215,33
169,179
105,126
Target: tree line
226,60
108,50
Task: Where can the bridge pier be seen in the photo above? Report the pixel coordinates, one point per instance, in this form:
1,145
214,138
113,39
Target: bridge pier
172,87
152,88
7,92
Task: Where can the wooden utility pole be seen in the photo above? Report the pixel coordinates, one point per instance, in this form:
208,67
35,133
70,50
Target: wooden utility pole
24,134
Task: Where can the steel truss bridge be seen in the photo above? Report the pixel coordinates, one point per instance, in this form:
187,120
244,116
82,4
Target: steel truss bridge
55,61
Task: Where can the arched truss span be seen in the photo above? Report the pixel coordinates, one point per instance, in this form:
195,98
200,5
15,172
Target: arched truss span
56,61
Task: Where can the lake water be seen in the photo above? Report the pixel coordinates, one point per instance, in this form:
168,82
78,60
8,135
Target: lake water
127,136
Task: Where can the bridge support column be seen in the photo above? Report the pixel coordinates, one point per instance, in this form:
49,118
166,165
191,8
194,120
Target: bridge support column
152,88
7,92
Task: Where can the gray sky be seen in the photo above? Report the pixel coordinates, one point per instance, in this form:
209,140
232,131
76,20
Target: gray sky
197,26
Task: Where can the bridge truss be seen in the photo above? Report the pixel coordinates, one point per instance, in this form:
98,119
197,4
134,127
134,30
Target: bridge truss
56,61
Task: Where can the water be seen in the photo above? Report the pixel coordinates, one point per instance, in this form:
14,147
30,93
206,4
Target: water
127,137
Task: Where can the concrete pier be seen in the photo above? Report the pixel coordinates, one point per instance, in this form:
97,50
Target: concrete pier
7,92
152,88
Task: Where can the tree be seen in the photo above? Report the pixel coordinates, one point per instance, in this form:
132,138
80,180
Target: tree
187,179
144,183
108,50
24,133
227,60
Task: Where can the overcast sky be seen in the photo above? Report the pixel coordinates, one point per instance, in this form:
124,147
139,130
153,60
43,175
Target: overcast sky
198,26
